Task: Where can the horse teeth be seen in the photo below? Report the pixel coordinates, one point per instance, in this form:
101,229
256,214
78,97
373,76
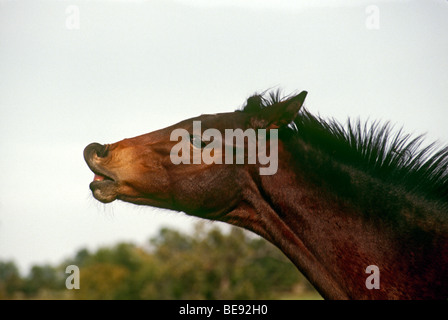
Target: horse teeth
98,178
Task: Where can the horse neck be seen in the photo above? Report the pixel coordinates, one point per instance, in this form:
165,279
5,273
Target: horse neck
332,242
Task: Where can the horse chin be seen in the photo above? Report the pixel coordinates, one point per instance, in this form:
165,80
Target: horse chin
146,200
104,191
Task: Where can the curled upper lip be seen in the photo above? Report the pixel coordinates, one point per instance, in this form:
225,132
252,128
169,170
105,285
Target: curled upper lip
93,153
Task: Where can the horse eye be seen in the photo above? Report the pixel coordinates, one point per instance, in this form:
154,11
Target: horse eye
197,142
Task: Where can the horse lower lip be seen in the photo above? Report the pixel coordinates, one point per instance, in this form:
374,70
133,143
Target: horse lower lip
105,185
104,191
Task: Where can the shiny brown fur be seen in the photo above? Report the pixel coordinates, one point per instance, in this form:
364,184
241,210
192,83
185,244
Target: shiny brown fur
331,218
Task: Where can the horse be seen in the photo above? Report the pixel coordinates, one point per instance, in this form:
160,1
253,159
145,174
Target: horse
360,209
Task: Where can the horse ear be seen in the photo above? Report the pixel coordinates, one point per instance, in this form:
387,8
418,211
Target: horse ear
279,114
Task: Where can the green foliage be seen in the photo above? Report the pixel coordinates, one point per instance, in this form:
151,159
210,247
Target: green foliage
209,264
10,280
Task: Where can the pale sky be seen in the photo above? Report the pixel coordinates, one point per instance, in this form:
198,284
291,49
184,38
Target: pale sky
131,67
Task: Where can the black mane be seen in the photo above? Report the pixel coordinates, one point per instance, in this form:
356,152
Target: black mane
374,147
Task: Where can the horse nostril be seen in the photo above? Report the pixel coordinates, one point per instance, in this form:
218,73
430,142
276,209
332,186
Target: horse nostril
95,148
102,151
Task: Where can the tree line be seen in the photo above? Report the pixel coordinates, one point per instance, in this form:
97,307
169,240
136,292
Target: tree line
208,264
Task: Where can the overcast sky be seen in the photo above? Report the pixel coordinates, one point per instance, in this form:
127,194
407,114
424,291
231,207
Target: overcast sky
76,72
